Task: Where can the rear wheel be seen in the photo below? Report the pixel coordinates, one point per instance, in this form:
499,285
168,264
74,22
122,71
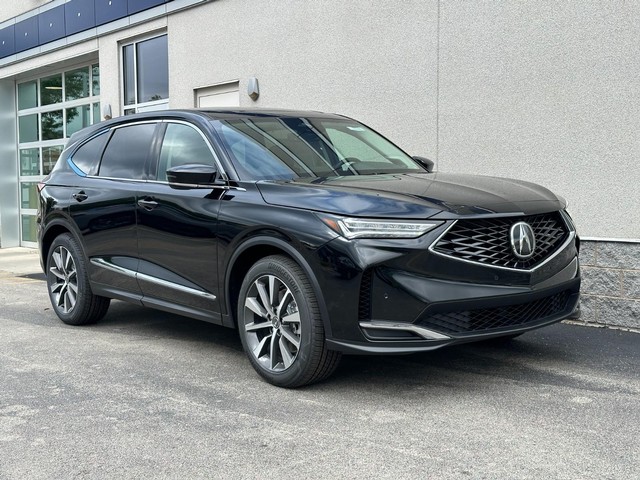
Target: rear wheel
280,324
68,284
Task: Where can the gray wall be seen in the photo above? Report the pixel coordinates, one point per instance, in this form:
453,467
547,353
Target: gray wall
544,91
9,218
547,91
377,64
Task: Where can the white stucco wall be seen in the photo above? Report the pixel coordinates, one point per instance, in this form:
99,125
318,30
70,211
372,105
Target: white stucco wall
549,92
374,62
543,91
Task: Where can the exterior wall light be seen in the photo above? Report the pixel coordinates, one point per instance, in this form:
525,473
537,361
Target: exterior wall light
253,90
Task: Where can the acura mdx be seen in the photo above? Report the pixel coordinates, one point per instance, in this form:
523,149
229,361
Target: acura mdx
310,233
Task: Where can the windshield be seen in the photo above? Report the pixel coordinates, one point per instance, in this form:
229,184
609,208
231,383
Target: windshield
274,148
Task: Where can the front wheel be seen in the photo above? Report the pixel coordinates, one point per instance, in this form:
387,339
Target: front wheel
68,284
280,324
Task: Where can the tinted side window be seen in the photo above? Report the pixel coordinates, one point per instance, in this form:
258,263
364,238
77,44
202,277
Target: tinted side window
182,144
127,151
87,157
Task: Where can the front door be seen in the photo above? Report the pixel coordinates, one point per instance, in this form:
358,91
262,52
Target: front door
177,230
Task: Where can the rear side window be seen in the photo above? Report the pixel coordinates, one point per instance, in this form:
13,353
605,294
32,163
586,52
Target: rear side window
87,157
127,152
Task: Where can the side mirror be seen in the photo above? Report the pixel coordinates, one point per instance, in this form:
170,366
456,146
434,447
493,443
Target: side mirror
425,162
192,174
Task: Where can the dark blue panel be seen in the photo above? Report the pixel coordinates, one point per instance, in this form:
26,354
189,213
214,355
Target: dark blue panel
136,6
79,15
7,42
110,10
51,25
26,34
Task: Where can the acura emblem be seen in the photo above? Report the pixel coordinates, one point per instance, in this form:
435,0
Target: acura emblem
523,240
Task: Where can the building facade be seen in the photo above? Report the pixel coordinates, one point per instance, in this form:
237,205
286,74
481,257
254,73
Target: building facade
542,91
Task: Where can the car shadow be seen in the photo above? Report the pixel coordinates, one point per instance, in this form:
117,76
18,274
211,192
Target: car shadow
523,359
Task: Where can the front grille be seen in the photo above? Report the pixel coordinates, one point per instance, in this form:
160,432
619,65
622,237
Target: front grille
487,240
480,320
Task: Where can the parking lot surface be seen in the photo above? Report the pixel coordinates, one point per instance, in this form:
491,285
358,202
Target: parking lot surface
145,394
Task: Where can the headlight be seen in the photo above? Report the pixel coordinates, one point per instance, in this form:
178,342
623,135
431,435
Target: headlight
373,228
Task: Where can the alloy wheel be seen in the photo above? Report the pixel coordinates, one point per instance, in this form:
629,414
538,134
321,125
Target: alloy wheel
64,282
272,323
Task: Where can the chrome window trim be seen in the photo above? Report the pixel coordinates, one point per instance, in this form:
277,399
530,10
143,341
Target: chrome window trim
99,262
570,238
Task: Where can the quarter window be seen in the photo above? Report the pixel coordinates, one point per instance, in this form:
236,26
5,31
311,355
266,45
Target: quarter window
127,152
87,157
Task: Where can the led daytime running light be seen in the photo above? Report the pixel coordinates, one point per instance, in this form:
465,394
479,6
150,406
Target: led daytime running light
369,228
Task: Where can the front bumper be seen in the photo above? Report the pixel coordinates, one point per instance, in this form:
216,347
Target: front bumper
403,306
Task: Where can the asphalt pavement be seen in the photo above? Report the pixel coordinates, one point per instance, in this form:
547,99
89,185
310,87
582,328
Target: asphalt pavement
145,394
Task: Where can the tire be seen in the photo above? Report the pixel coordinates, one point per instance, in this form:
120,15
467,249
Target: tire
68,284
280,325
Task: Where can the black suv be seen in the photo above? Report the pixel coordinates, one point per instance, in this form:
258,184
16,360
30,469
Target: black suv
308,232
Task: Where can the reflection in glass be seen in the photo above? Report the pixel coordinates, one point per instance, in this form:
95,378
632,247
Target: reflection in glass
28,128
50,156
28,95
52,125
96,112
95,79
129,75
130,111
29,228
29,161
76,84
153,69
28,195
78,118
51,90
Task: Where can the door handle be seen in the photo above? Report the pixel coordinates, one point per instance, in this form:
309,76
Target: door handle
80,196
147,204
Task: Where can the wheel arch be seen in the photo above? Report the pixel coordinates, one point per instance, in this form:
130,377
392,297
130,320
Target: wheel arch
252,250
54,229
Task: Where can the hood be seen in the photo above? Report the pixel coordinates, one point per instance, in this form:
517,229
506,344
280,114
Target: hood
416,196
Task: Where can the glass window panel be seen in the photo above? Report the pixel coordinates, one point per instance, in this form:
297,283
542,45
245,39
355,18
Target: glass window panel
78,118
29,161
129,76
28,128
127,152
130,111
182,145
50,156
52,125
87,157
153,69
96,112
29,228
28,95
76,84
51,90
28,195
95,79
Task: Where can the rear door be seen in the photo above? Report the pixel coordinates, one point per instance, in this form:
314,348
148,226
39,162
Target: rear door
177,229
103,207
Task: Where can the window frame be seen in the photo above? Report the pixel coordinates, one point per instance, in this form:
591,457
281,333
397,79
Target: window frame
137,105
155,157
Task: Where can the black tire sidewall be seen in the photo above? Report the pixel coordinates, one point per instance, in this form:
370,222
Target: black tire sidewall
304,361
83,297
